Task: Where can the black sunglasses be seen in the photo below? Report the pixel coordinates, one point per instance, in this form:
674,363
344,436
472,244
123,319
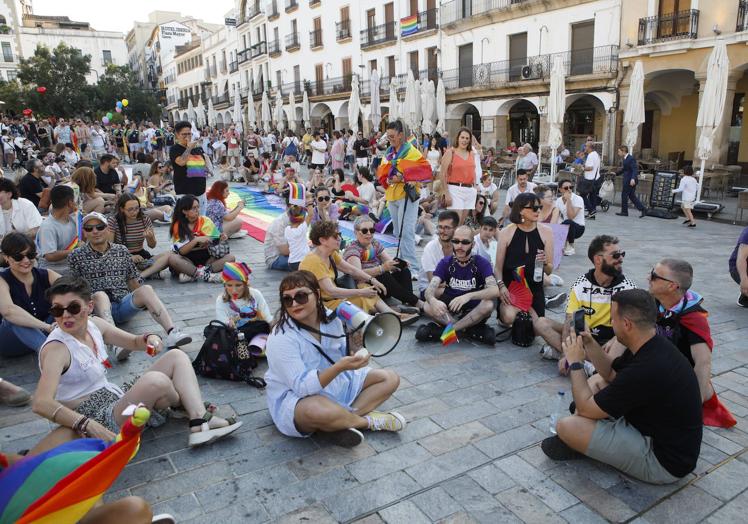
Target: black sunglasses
73,308
100,227
323,199
366,230
534,208
618,254
565,188
31,255
301,298
464,242
655,276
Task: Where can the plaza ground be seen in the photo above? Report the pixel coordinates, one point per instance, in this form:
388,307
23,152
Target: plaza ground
476,416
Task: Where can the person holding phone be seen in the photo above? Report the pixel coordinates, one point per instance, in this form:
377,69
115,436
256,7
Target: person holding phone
591,292
314,383
190,163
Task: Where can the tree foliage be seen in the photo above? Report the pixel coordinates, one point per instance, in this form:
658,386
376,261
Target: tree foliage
62,71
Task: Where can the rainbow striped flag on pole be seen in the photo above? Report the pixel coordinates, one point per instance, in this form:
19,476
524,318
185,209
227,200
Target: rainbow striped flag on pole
409,25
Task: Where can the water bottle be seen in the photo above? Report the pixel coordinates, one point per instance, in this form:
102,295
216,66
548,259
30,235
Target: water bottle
558,409
537,275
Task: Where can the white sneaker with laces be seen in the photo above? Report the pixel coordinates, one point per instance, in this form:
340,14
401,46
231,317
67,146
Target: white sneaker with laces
392,421
176,339
239,234
556,280
548,352
569,251
185,278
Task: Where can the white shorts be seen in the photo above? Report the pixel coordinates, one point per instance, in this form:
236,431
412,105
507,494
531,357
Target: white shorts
462,197
362,162
687,204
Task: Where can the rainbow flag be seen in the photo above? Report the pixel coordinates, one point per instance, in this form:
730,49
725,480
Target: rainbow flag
408,162
63,484
385,221
519,275
409,25
354,206
368,254
204,227
449,335
196,166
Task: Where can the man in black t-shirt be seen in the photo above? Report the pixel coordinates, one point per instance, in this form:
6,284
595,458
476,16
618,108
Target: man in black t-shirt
190,164
647,422
31,186
107,179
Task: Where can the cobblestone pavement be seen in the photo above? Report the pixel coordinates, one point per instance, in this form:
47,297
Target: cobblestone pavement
470,452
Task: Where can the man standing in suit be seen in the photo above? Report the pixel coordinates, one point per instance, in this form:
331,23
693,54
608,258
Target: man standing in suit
628,187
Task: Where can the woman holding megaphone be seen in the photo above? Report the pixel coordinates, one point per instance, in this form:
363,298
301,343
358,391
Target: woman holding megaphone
313,384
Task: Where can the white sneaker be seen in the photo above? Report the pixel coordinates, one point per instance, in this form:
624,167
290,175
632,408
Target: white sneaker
548,352
184,278
419,239
176,339
392,421
213,278
556,280
569,251
239,234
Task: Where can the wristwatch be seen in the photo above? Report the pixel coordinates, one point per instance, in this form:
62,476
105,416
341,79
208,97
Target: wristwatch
576,365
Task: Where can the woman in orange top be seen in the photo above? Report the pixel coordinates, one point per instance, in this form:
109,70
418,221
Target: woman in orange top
457,174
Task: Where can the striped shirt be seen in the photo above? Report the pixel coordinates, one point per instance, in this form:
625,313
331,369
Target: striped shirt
134,233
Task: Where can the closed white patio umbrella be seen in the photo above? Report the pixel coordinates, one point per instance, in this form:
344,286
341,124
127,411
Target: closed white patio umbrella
200,113
354,105
634,114
237,113
711,105
211,113
394,112
376,107
293,124
441,108
306,110
251,112
428,103
556,109
410,111
265,111
279,124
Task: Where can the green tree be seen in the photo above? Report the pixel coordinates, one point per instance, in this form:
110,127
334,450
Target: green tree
120,82
14,97
62,71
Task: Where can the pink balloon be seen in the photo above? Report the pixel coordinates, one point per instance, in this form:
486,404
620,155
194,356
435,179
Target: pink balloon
118,109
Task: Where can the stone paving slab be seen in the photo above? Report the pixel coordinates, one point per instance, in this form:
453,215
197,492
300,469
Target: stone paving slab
476,415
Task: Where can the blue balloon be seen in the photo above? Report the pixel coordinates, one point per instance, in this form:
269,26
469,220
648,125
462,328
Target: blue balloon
118,104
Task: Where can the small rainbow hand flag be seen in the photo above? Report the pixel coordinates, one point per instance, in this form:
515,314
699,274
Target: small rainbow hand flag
206,228
519,276
449,335
409,25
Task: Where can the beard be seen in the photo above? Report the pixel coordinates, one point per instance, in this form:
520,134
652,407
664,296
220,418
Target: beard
610,270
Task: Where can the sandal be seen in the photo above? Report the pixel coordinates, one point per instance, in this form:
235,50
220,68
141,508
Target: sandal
179,411
206,435
408,319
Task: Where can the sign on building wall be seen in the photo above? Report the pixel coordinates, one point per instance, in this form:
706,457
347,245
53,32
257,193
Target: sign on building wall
176,32
230,22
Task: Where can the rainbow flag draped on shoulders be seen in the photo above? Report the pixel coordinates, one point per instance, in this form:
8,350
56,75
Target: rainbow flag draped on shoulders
408,162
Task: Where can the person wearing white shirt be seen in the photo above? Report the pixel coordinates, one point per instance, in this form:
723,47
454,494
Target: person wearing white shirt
571,210
688,188
528,160
591,175
438,247
18,214
485,241
319,147
521,186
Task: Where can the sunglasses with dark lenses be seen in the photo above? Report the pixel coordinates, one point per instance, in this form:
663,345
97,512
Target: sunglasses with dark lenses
366,230
464,242
323,199
565,188
73,308
100,227
618,254
301,298
655,276
31,255
534,208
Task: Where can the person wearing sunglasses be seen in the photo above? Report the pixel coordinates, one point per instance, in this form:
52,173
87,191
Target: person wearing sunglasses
591,291
571,213
315,382
325,210
524,244
24,308
74,391
461,293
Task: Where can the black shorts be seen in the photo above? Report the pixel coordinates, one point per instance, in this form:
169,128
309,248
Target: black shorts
199,257
467,308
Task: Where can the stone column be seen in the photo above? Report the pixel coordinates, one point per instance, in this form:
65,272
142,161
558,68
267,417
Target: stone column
719,143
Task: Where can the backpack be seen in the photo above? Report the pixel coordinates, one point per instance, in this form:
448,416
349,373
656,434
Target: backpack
292,148
225,355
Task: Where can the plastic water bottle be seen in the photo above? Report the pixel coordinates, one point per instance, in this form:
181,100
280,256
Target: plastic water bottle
537,275
558,409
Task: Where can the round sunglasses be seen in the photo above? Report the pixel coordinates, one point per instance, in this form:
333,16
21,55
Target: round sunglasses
366,231
31,255
73,308
301,298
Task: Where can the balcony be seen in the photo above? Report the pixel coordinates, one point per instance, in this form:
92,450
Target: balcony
253,11
242,56
742,24
258,49
184,101
292,42
458,10
315,3
315,39
379,34
682,25
291,5
593,61
233,67
274,48
221,99
342,30
272,11
425,21
297,88
330,86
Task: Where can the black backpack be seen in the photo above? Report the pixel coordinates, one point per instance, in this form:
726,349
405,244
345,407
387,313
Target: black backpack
224,356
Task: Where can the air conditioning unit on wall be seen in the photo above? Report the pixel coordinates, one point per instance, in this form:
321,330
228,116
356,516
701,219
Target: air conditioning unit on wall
531,72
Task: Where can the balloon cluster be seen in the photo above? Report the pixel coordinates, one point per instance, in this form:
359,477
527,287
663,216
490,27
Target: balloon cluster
117,107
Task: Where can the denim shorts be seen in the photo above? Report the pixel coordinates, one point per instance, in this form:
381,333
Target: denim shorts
125,309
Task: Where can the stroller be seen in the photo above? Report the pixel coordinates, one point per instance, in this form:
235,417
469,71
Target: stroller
607,191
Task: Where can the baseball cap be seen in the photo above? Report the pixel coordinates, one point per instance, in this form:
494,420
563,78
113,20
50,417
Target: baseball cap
94,216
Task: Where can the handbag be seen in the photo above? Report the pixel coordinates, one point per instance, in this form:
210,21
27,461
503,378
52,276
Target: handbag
219,249
221,357
523,333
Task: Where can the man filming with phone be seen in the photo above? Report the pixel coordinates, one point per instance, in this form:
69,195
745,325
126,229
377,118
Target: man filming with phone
591,292
191,165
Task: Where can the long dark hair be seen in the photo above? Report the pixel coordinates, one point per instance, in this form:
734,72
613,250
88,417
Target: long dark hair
479,216
122,201
294,280
180,227
523,200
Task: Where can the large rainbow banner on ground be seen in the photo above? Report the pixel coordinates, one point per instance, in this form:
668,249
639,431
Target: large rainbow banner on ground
260,209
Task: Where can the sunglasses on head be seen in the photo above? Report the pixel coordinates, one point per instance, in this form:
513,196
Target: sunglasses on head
301,298
366,230
31,255
464,242
99,227
73,308
534,208
323,199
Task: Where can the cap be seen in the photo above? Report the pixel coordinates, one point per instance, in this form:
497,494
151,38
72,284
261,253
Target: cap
94,216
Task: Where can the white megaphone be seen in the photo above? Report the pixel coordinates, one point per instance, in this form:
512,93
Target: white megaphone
381,331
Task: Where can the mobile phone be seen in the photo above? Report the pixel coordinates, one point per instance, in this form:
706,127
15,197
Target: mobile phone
578,321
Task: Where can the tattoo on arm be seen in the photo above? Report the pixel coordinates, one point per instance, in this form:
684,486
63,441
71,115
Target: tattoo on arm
432,287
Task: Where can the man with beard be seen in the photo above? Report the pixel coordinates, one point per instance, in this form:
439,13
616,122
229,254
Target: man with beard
467,298
591,292
438,247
